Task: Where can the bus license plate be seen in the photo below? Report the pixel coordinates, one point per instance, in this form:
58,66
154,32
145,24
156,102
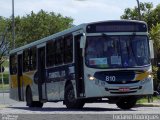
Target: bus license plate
124,89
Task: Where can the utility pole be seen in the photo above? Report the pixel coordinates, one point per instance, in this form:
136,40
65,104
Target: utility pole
139,11
13,25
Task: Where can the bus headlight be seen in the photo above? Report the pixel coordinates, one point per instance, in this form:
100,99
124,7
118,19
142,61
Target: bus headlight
90,77
146,79
149,76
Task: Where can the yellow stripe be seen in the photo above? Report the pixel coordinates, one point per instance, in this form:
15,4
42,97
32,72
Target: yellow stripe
13,81
142,76
27,80
24,80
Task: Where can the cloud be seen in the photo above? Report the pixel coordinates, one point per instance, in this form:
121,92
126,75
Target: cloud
80,10
5,8
89,11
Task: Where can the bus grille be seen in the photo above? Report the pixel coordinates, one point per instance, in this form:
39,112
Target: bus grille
118,91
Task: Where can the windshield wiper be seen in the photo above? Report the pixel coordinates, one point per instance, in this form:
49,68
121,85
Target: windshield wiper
106,36
130,42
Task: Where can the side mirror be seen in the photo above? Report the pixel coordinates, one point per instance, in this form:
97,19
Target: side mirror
82,42
151,49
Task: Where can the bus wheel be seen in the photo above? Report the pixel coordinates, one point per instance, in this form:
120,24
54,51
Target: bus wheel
126,102
38,104
70,100
29,99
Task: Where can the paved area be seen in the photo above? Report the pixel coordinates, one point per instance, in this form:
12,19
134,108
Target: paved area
57,111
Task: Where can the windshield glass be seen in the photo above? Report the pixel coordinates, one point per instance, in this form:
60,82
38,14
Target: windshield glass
116,51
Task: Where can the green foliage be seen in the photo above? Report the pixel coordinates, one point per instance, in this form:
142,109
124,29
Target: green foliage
132,13
35,26
4,45
5,78
145,99
155,35
4,87
5,63
2,24
155,79
148,14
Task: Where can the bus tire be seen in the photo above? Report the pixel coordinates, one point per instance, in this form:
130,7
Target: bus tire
126,102
70,100
29,98
38,104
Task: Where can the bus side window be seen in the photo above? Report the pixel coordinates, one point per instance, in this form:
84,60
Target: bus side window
62,52
13,64
26,60
33,58
68,49
57,52
50,53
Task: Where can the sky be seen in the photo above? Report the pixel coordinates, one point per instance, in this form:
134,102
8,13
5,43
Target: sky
82,11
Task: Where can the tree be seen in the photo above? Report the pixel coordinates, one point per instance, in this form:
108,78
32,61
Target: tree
155,36
148,14
35,26
4,45
156,15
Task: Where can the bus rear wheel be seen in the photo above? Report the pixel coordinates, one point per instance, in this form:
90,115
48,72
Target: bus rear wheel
38,104
126,102
29,100
70,100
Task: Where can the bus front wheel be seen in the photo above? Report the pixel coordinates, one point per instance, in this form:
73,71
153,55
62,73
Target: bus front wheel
70,100
126,102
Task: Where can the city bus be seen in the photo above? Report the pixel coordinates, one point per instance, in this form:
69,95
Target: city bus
106,61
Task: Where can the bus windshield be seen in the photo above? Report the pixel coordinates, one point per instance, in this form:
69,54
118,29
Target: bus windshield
117,51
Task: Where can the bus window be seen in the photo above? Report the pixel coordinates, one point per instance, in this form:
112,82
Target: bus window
68,49
62,50
50,53
58,59
33,58
13,64
26,60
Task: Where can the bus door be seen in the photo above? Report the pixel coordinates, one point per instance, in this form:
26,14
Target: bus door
41,74
19,78
79,69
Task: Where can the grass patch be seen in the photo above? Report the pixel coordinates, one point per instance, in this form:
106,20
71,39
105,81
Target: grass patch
5,78
145,99
4,87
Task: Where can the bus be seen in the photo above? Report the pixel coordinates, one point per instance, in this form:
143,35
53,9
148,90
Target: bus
104,61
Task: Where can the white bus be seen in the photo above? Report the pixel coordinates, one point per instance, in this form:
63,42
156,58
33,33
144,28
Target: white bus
92,62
